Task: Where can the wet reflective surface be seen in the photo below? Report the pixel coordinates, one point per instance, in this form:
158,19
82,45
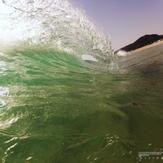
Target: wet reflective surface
55,107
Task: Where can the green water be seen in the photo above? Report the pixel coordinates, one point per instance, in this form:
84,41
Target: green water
56,108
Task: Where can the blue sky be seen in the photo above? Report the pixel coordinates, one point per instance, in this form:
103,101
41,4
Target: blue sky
124,20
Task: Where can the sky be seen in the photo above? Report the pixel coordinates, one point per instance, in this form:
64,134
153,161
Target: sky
124,20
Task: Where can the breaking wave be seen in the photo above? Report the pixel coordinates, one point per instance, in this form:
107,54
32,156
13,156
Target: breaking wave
58,24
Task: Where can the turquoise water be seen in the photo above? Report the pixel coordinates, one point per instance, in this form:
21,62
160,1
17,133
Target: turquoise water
56,108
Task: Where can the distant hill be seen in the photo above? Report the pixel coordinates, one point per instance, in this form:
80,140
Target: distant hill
143,41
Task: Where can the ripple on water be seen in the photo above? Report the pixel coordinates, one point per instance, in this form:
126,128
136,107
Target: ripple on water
29,158
2,104
4,91
8,151
7,123
2,67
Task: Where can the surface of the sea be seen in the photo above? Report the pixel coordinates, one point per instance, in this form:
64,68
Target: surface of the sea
57,108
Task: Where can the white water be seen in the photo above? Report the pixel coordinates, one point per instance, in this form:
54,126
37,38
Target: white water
52,22
87,57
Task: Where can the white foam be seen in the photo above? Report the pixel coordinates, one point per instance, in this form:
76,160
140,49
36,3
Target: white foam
4,91
121,53
87,57
52,21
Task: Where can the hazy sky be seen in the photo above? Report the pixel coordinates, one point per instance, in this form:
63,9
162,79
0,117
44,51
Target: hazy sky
124,20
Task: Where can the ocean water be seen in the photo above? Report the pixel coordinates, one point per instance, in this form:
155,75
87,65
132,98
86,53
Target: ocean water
56,107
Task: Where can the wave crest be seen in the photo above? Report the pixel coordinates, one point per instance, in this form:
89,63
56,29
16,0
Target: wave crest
58,23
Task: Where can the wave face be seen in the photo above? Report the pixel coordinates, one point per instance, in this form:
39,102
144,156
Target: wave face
57,105
54,107
57,23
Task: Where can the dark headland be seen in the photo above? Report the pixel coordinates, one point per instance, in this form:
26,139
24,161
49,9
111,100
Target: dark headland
143,41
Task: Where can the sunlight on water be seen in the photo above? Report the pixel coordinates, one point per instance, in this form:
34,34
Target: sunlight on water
58,101
4,91
54,23
2,67
55,105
